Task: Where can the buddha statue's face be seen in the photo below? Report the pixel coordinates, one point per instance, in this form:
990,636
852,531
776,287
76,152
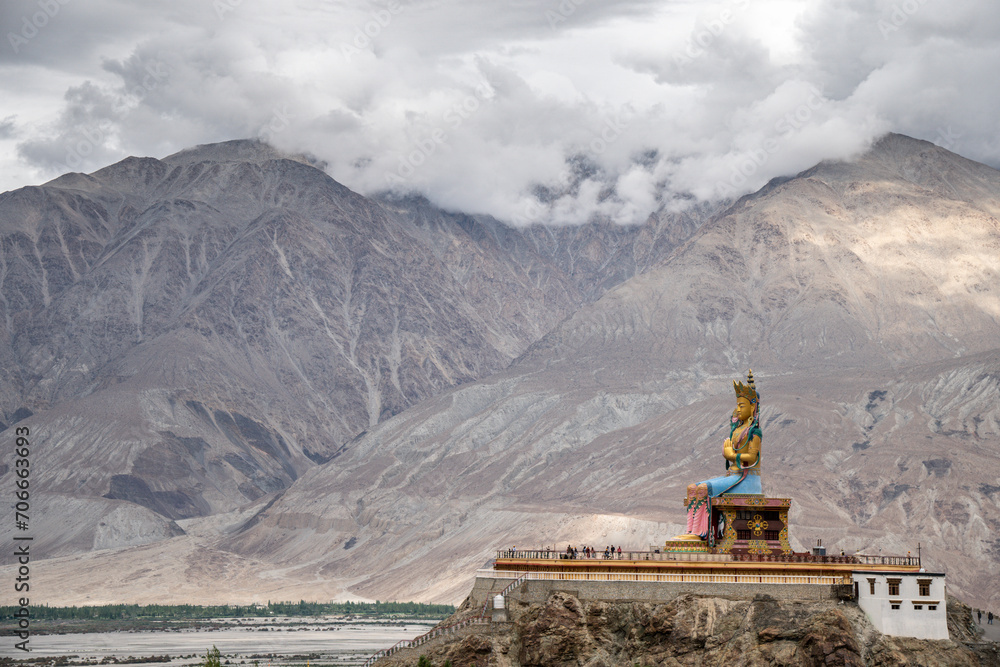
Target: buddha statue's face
744,409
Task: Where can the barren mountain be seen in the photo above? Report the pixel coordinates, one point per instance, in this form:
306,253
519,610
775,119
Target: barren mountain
595,256
186,335
863,294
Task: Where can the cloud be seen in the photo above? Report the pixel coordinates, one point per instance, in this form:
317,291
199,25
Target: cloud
530,111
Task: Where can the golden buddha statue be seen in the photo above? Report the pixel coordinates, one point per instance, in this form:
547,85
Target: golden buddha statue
742,453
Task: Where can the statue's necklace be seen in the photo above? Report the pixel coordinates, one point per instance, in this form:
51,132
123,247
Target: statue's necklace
740,434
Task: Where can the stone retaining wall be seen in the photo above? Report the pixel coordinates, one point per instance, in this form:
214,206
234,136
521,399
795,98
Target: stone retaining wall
538,591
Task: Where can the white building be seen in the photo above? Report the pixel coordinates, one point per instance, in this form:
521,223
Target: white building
904,604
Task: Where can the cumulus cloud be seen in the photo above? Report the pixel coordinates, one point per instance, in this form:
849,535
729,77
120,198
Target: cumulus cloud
553,111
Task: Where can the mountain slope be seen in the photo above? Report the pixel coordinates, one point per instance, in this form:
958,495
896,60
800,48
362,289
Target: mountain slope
188,335
888,261
869,318
864,296
228,323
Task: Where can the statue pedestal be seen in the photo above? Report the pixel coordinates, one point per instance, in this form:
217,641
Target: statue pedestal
751,524
687,547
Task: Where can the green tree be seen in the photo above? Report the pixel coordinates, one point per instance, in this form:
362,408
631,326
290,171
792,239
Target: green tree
212,658
424,662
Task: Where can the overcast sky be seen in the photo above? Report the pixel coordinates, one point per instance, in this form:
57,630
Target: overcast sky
530,111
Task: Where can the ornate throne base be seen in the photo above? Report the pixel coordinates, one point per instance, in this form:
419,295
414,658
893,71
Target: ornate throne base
751,524
742,524
687,546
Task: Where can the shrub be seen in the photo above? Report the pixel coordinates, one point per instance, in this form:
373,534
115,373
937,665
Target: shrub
212,658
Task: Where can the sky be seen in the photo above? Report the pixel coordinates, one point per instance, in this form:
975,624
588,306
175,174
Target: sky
552,111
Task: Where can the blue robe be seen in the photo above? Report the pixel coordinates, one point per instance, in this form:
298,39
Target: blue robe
720,485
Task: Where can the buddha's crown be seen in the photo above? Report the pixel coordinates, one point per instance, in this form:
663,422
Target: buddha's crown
748,390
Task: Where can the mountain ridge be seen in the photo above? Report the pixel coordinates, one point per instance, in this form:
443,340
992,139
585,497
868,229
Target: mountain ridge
863,295
236,317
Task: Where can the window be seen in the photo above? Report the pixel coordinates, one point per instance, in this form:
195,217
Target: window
925,587
893,586
894,604
871,584
748,534
931,607
917,606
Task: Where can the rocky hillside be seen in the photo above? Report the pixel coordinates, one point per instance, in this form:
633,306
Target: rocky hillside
864,295
188,335
699,631
594,257
879,370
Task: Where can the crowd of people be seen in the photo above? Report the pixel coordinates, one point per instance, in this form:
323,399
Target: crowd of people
591,552
610,551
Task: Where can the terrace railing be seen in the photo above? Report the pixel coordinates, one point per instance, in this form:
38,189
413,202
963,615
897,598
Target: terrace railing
520,577
910,561
655,555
